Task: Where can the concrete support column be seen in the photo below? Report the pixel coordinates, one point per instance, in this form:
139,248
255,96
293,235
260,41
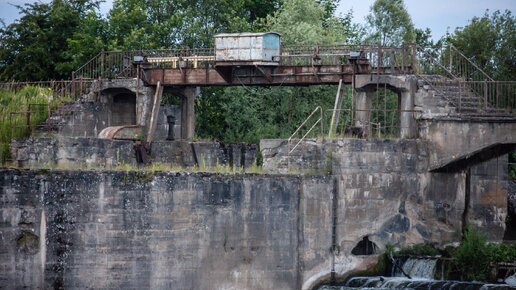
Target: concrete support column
407,121
363,111
188,113
144,100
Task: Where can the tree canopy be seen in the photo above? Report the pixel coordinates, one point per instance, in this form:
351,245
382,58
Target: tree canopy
490,42
389,23
52,39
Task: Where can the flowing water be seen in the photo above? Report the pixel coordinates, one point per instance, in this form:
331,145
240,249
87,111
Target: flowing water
417,268
422,273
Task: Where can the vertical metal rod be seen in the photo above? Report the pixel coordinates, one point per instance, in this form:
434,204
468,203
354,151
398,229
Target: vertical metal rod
460,96
27,118
102,63
485,95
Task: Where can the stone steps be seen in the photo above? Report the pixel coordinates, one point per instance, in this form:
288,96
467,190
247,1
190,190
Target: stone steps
464,99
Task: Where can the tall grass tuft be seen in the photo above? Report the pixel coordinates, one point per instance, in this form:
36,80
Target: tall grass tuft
13,120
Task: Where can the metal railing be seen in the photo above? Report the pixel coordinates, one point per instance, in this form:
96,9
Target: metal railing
72,89
465,85
119,64
471,84
41,118
317,122
492,97
374,124
382,59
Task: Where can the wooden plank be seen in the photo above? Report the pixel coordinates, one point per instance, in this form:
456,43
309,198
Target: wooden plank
155,111
336,110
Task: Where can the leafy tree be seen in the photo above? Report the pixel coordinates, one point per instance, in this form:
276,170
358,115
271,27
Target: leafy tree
128,25
135,24
249,114
88,40
490,42
259,9
390,24
36,46
512,165
308,22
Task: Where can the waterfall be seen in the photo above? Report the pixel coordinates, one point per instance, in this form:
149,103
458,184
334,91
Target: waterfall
421,271
417,268
411,284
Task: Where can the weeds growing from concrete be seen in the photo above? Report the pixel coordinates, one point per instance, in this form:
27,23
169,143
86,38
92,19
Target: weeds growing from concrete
13,114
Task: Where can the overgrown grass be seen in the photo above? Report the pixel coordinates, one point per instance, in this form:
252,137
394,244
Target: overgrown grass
13,119
474,257
419,250
472,260
154,167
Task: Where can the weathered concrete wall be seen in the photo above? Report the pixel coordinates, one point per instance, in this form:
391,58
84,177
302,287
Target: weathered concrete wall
207,231
390,180
453,139
93,152
193,231
128,230
429,103
88,119
489,196
72,152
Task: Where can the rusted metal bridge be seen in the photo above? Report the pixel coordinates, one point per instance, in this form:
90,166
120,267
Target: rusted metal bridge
296,66
463,84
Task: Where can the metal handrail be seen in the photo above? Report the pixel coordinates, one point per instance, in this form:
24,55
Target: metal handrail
318,108
470,62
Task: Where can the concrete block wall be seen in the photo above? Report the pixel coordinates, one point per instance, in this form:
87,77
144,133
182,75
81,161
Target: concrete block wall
128,230
489,196
92,152
90,118
134,230
389,183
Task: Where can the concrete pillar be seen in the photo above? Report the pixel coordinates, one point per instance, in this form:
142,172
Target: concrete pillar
188,113
408,128
144,99
363,111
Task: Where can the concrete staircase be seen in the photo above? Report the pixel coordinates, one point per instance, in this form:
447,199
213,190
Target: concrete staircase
466,101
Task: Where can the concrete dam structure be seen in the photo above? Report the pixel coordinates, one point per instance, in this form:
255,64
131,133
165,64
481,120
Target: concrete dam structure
134,230
323,207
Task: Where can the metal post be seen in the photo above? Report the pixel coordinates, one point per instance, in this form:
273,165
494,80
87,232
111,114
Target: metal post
485,94
27,118
102,56
73,85
379,59
451,58
460,96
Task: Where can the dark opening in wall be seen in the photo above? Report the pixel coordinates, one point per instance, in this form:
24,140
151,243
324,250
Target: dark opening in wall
365,247
123,109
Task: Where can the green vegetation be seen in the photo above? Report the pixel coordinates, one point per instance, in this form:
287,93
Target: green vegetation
419,250
390,23
474,256
151,169
512,165
13,117
472,260
52,39
490,42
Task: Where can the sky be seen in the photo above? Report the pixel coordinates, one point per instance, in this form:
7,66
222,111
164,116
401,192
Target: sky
438,15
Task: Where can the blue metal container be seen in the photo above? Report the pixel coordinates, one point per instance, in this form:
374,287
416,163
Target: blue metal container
252,48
